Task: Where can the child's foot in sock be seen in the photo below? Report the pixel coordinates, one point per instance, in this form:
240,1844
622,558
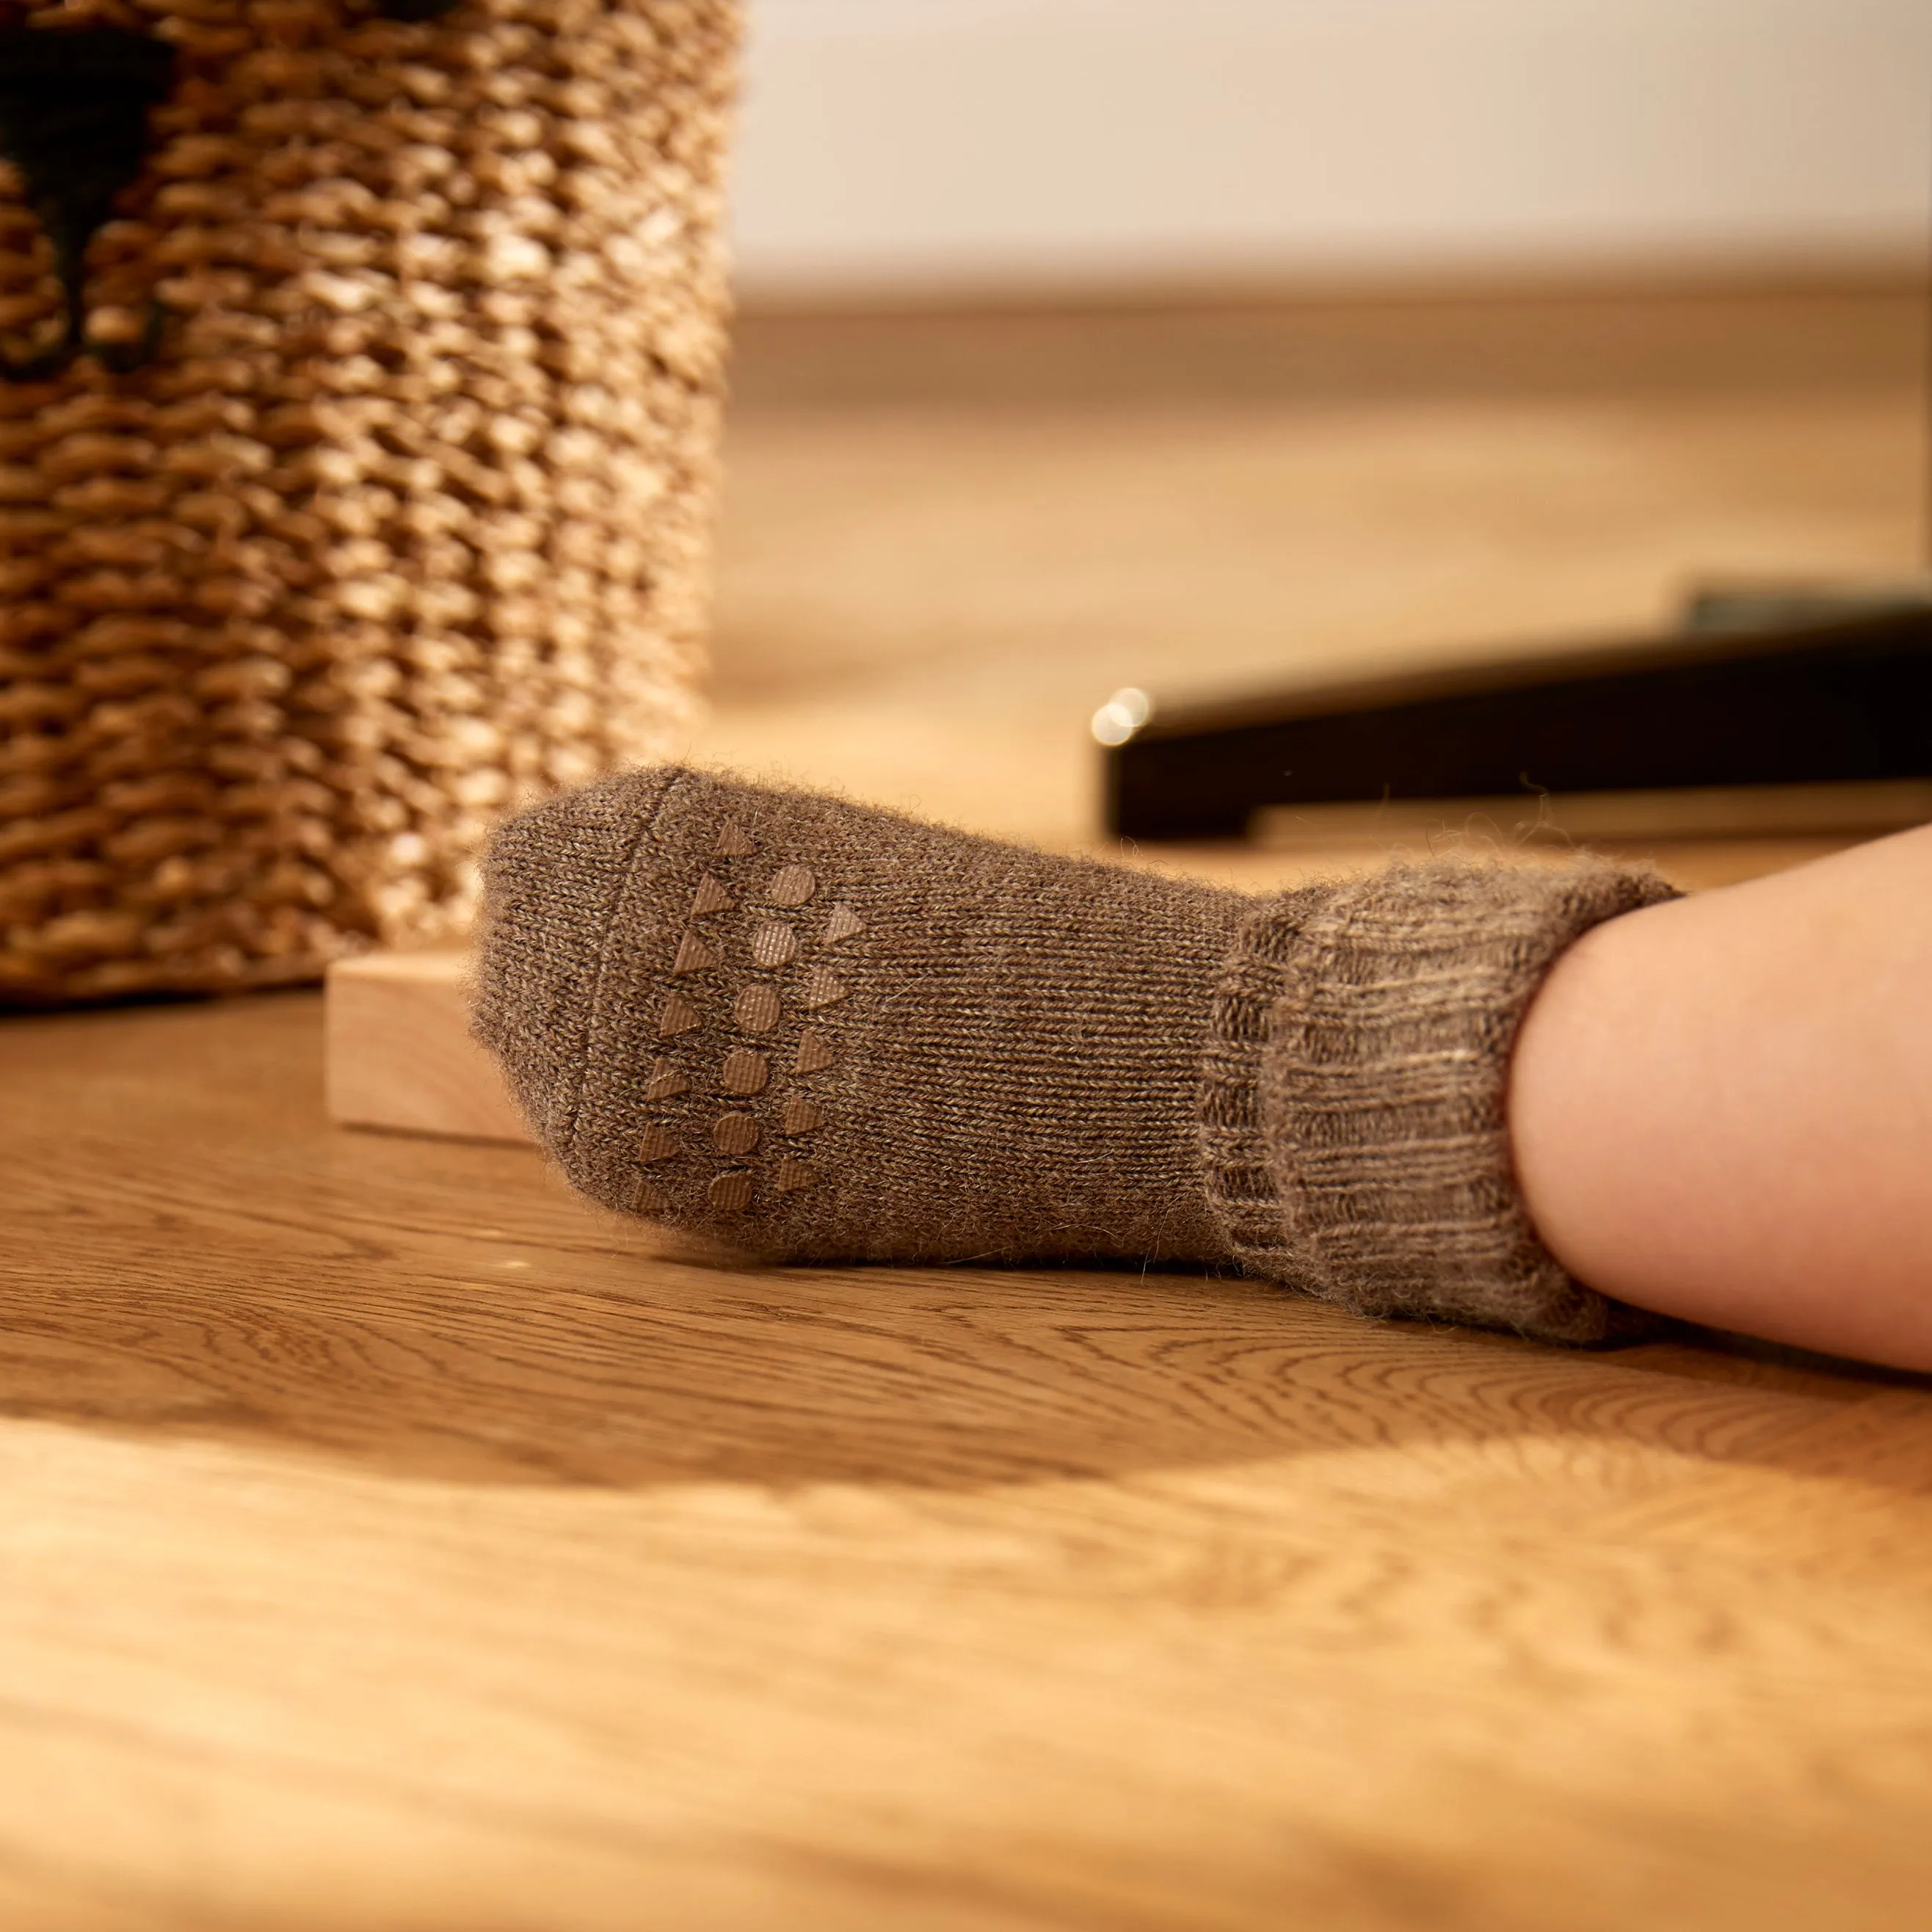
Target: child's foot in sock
814,1031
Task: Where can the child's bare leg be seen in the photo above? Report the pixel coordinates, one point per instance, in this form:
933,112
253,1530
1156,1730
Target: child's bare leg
1721,1107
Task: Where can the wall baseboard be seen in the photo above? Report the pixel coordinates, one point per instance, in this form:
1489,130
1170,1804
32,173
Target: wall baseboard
944,147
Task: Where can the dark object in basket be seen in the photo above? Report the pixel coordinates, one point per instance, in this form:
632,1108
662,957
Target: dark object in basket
1842,702
74,105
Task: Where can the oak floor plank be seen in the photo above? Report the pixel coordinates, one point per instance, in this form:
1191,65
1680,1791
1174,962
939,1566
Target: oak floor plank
378,1564
390,1543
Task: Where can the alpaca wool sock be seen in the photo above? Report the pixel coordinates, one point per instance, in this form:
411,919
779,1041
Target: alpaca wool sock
814,1031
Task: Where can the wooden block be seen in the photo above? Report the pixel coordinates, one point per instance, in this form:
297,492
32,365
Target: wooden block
399,1052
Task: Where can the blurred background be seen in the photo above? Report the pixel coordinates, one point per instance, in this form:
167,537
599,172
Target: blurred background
1193,343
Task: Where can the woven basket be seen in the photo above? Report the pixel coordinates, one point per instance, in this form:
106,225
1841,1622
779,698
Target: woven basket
403,520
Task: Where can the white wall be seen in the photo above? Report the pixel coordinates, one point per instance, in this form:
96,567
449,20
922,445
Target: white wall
924,146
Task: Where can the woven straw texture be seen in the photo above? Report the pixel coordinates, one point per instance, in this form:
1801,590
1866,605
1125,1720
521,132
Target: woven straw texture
405,523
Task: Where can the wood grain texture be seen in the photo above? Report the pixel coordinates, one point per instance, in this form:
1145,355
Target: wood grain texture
400,1055
393,1542
390,1543
946,540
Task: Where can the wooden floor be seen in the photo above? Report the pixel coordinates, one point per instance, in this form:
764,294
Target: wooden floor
389,1543
946,542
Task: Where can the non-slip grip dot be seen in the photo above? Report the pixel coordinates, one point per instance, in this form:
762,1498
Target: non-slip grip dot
791,887
758,1008
821,989
677,1015
815,1052
666,1082
774,945
730,1193
745,1071
844,923
734,1133
693,955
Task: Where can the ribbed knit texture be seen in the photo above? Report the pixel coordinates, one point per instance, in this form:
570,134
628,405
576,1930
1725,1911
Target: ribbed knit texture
1353,1106
817,1032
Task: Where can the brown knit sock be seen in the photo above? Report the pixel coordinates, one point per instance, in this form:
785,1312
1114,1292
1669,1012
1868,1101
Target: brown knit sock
817,1032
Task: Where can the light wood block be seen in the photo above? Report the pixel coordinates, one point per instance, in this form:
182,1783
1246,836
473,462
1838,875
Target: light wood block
400,1053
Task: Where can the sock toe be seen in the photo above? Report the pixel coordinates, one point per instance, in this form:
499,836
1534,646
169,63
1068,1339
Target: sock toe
552,884
813,1030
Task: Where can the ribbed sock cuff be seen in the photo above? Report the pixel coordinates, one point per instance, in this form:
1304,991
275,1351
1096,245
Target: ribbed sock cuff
1353,1128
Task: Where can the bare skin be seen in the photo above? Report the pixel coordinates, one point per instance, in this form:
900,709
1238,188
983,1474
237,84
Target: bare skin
1721,1108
